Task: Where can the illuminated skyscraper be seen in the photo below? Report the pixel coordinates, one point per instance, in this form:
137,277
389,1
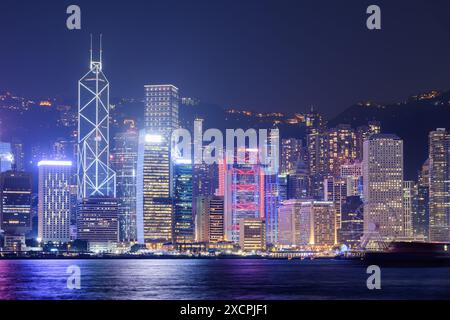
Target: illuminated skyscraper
383,186
317,162
439,183
209,221
154,190
271,206
15,205
409,206
124,162
291,151
252,234
18,155
54,201
353,175
95,177
155,169
244,196
318,224
363,133
335,190
98,223
161,109
183,220
299,182
6,157
340,147
289,222
421,218
352,222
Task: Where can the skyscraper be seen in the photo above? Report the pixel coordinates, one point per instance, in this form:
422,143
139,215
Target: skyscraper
289,222
183,220
318,224
154,190
98,223
124,162
291,151
161,109
244,196
383,186
209,221
317,162
341,148
6,157
421,218
15,205
252,234
299,182
271,206
363,133
335,190
54,201
409,206
18,155
353,175
352,222
155,168
95,177
439,184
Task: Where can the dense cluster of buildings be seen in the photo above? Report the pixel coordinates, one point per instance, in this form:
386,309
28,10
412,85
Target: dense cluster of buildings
337,186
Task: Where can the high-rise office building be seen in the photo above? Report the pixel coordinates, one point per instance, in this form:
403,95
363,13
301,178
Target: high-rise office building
62,149
161,109
252,234
299,182
363,133
318,224
353,175
124,162
98,222
54,201
15,208
291,151
183,220
154,190
421,218
335,190
289,222
73,190
244,196
95,177
271,206
383,186
352,222
439,184
340,147
209,221
409,207
18,155
155,169
317,162
6,157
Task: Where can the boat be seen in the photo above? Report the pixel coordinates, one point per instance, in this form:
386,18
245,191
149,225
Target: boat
402,253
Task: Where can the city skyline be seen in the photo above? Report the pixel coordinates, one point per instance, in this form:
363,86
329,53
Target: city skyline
234,172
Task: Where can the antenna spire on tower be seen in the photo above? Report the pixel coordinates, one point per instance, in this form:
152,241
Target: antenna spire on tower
91,51
101,48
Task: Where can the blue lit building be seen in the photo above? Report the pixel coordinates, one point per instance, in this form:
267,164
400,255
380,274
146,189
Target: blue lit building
183,224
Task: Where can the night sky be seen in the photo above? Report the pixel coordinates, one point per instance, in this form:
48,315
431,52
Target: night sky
255,54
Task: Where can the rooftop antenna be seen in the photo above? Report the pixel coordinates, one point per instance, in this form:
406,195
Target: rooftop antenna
91,50
101,49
